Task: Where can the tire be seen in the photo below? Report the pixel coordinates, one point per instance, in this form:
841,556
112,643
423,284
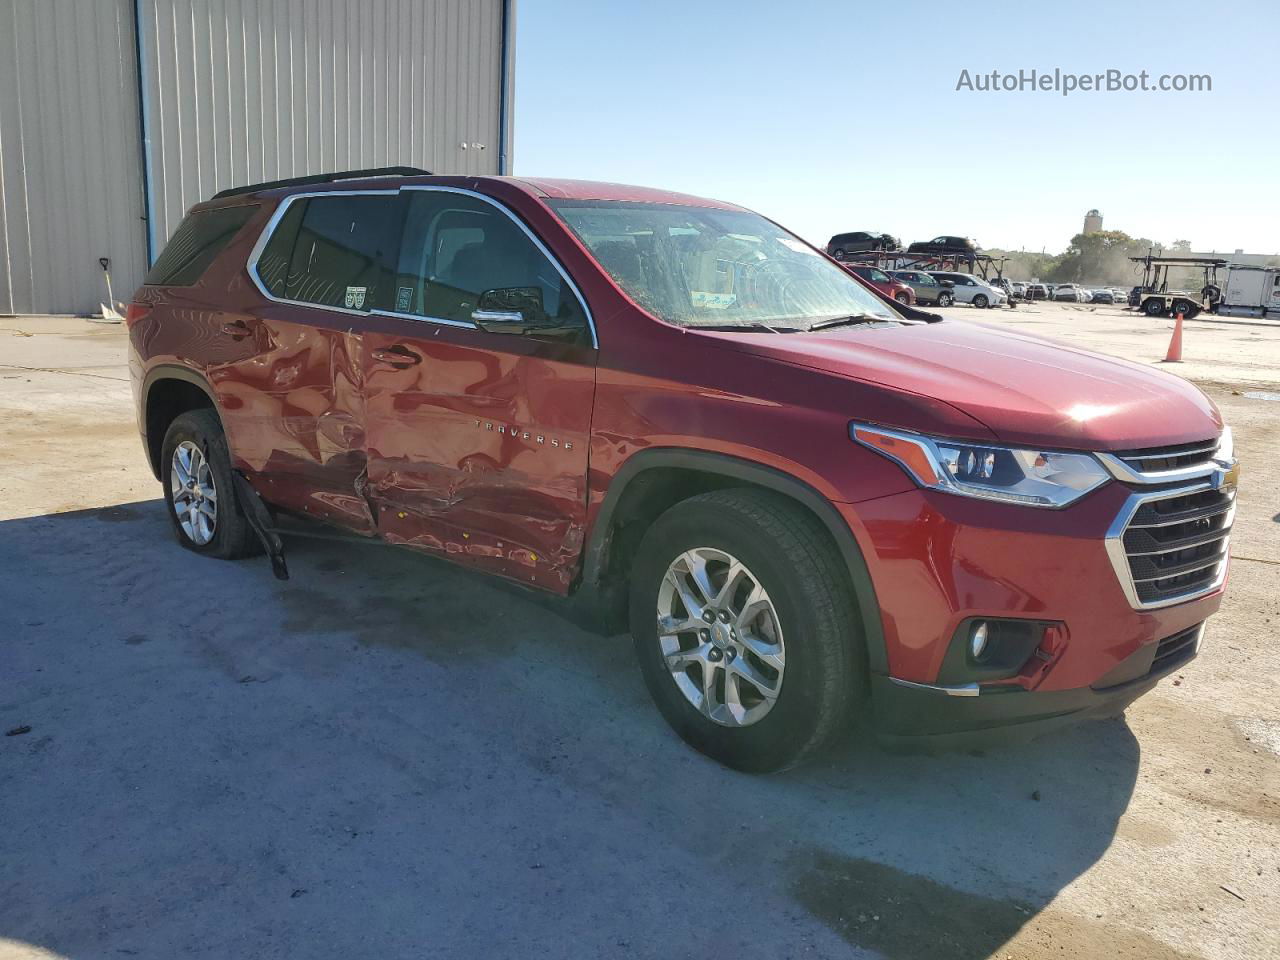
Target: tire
945,300
837,253
1186,308
902,298
1154,307
981,301
819,680
230,537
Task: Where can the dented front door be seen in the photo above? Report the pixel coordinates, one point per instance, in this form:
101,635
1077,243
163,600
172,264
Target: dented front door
477,440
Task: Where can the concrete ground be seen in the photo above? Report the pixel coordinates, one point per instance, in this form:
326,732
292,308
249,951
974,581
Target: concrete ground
385,757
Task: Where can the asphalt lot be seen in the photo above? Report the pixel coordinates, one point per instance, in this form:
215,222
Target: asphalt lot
385,757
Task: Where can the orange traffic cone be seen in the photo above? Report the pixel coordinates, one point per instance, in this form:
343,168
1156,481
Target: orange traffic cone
1175,343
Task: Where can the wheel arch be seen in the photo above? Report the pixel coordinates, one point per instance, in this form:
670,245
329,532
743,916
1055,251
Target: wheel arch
169,391
655,479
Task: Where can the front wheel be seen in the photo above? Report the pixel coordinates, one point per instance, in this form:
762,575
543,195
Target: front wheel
745,628
981,302
945,300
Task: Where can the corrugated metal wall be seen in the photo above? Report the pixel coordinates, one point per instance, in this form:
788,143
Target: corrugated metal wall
242,91
237,91
70,159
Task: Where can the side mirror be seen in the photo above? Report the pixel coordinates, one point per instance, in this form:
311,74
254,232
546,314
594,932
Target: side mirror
510,310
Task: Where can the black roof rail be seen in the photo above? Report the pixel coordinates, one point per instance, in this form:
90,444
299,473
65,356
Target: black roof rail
324,178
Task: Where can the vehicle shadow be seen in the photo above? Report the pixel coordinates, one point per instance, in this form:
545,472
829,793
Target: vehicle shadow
386,756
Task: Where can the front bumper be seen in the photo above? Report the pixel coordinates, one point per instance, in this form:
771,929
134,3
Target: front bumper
938,560
910,715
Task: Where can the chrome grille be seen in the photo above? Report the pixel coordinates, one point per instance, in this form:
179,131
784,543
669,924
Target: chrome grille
1174,545
1178,456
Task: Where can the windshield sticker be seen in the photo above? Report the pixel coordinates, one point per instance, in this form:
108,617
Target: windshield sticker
354,299
792,244
404,299
713,301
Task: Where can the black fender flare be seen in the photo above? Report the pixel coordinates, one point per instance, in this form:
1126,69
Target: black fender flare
170,371
757,474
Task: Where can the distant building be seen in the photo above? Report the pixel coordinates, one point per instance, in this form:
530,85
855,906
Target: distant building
118,115
1092,222
1239,256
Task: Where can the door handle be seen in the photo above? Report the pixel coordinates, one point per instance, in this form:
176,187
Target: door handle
397,356
236,329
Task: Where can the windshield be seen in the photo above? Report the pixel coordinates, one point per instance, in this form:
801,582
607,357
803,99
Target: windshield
697,266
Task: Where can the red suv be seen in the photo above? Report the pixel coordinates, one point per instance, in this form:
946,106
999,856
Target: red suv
882,282
813,508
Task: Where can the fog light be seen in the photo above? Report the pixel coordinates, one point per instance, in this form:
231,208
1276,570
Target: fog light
978,640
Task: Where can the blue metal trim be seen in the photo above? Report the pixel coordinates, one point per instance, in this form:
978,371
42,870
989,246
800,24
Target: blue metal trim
507,43
144,124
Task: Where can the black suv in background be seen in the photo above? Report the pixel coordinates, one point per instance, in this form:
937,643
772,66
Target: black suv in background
860,242
957,245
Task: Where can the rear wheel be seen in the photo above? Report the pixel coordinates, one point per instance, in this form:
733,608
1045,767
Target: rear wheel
945,300
981,301
1154,307
1186,308
199,490
745,628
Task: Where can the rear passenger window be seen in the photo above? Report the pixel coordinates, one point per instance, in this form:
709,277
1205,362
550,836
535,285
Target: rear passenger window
460,255
198,240
334,251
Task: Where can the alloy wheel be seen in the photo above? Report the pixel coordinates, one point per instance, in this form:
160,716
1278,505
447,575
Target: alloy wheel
720,637
195,495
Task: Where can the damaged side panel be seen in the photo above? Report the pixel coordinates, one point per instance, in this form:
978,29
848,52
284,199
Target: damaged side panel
478,449
293,408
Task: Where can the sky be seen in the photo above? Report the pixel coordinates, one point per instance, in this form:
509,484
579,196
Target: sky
831,117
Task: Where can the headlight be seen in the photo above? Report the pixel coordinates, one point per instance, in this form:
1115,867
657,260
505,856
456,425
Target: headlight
1034,478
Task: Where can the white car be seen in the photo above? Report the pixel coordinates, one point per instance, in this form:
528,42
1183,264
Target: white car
974,290
1069,292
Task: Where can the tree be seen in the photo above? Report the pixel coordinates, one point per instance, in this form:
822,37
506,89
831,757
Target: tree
1101,257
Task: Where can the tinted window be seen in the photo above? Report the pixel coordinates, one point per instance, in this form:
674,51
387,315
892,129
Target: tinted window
338,251
199,238
273,263
460,254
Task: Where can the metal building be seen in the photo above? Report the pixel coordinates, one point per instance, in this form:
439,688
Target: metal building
118,115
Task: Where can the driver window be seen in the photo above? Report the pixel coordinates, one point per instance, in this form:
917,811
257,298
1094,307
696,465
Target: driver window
460,254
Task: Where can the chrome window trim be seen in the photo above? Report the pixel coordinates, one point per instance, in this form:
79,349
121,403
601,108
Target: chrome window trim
265,237
278,214
1120,558
423,318
542,247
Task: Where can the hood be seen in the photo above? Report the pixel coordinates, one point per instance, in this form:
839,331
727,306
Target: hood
1023,388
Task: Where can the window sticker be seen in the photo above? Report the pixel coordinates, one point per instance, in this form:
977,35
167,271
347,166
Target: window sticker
713,301
354,299
404,299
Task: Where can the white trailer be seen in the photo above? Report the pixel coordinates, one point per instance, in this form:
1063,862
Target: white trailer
1250,291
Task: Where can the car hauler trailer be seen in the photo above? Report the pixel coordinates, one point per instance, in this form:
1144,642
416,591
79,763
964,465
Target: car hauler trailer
1154,298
